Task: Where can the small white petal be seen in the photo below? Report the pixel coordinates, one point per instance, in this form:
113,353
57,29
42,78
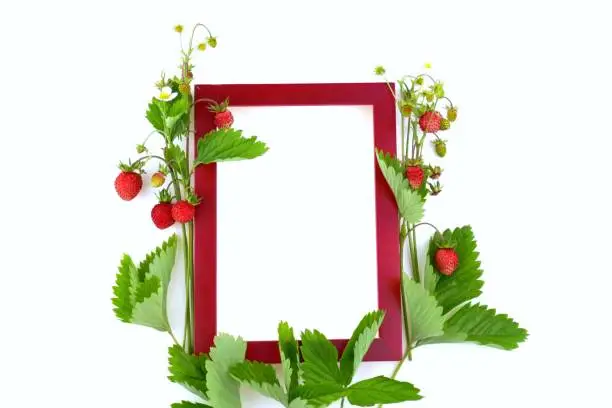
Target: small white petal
166,89
172,96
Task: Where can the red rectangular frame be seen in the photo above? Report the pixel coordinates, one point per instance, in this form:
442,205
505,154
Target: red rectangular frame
388,346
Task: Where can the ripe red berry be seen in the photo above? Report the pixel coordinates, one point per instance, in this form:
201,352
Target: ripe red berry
430,121
446,260
128,184
161,214
224,119
183,211
415,176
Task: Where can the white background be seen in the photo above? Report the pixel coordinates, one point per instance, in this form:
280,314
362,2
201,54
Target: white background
286,230
528,167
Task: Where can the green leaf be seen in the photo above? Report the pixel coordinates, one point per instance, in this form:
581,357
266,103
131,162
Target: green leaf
260,377
425,314
188,370
381,390
321,394
140,293
179,106
320,359
482,325
359,344
151,310
299,403
125,288
177,159
409,202
228,144
154,115
223,390
187,404
465,283
289,354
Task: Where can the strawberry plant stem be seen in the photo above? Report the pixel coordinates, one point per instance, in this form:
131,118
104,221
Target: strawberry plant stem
187,346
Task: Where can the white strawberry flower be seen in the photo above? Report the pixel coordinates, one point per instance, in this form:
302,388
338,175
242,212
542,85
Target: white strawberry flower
166,94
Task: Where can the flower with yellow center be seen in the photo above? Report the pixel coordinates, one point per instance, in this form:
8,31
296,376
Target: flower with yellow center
166,94
201,46
428,65
178,28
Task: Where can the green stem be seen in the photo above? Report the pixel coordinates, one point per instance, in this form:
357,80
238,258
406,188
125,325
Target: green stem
174,338
414,263
342,403
187,346
405,306
404,142
407,137
423,223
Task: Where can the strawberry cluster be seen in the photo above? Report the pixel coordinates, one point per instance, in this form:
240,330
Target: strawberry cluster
165,213
417,101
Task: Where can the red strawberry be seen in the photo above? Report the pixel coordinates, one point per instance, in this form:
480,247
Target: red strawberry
128,185
430,121
183,211
446,260
161,214
415,176
224,119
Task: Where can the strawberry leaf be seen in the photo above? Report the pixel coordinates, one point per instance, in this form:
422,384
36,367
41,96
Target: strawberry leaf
320,359
409,202
223,390
228,145
187,404
381,390
424,312
140,293
260,377
188,370
477,323
289,354
465,283
321,394
359,343
125,289
154,116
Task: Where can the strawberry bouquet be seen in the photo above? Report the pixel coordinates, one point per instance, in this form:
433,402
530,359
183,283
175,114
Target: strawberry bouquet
437,298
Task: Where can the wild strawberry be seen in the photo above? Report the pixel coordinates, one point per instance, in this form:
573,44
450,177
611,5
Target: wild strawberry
435,172
406,109
435,188
430,121
451,113
128,184
440,146
158,179
223,117
161,214
184,88
446,260
444,124
183,211
415,175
